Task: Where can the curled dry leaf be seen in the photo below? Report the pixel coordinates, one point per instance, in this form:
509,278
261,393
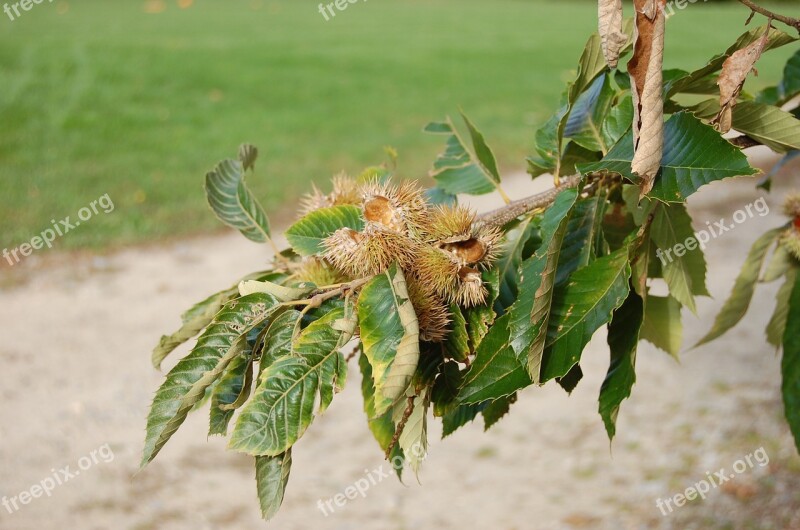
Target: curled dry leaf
735,70
609,16
645,69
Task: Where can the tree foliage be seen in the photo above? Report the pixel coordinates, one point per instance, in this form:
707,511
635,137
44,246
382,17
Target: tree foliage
453,313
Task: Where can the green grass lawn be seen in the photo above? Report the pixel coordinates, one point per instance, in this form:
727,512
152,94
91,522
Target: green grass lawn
102,97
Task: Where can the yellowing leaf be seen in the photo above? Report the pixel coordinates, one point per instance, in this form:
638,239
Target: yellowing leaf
389,335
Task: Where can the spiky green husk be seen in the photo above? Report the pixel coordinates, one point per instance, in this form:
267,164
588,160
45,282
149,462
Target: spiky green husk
400,208
448,277
345,190
432,312
453,229
372,251
791,205
319,272
791,241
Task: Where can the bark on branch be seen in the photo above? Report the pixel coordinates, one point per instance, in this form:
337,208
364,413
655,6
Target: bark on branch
514,209
789,21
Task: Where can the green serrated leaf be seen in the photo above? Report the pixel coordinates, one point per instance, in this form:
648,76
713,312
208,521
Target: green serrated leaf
272,475
662,325
233,384
283,404
570,381
623,338
790,84
585,123
737,304
278,339
773,127
591,64
186,383
198,317
382,427
496,410
389,335
580,307
547,144
234,204
194,321
445,388
482,151
511,258
682,260
617,122
457,170
790,364
306,235
780,263
694,155
456,345
496,371
460,416
549,140
583,239
480,318
777,324
531,312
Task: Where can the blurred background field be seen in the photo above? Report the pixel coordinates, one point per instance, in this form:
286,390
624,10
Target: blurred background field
139,99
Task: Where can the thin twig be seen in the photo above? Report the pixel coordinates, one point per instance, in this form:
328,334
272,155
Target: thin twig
331,291
789,21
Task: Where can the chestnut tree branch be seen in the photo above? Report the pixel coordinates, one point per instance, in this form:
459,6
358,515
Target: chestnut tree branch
789,21
514,209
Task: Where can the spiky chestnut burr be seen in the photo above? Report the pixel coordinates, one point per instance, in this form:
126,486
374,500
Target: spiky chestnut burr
372,251
791,206
319,272
455,230
432,312
471,291
400,208
448,277
344,191
791,238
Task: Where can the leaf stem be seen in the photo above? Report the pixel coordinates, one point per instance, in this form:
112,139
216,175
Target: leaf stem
503,194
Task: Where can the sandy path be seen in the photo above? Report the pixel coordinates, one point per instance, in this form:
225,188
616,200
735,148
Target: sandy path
76,376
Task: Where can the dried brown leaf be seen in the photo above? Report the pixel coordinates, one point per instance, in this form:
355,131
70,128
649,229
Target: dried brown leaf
734,73
645,69
609,16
